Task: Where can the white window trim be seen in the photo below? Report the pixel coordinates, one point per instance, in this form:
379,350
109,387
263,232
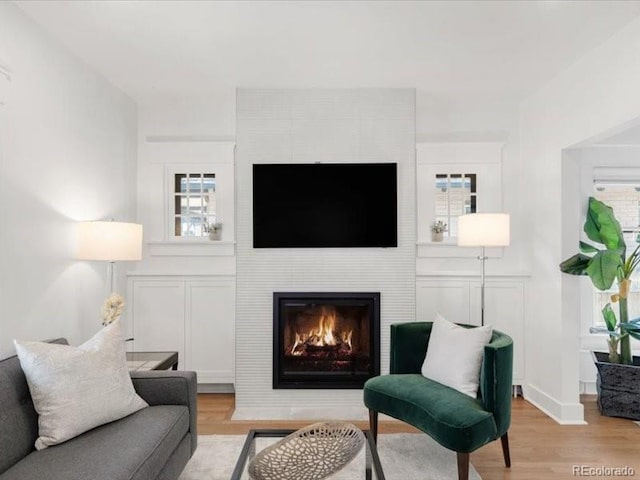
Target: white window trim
169,154
176,246
481,158
169,195
473,194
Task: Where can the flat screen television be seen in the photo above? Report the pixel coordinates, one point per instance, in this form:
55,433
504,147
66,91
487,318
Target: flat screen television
325,205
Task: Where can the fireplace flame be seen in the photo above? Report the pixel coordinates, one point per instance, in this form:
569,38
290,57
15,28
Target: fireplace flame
323,334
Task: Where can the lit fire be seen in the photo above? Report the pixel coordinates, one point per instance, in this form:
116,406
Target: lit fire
324,334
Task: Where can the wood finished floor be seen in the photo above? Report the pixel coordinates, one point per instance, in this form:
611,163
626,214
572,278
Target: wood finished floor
540,448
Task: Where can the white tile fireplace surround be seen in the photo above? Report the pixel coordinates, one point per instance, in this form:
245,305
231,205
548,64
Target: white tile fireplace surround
308,126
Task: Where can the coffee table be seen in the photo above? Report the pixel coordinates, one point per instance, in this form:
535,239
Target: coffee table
370,469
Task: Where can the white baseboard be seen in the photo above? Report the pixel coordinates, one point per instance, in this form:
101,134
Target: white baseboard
563,413
216,388
588,388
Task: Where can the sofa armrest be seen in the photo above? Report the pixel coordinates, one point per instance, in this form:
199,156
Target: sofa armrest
170,388
496,379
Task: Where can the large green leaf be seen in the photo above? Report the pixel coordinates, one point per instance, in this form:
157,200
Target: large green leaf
609,317
602,227
630,326
635,335
576,265
587,248
603,268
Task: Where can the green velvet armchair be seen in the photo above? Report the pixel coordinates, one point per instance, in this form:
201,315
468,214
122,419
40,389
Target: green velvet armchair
455,420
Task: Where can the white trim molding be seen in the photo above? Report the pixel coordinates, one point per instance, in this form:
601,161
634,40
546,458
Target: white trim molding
622,175
191,138
469,273
196,248
563,413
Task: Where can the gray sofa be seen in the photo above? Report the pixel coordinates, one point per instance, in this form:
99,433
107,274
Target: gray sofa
153,443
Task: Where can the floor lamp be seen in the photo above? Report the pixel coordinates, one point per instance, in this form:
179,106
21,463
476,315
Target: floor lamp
483,230
110,242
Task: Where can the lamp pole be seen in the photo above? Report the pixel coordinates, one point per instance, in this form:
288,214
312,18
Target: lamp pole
110,279
482,258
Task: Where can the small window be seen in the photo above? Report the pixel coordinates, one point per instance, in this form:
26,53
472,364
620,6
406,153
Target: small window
455,196
194,203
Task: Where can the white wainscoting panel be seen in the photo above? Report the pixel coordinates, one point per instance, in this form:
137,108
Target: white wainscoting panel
458,300
158,315
210,330
193,315
450,298
504,309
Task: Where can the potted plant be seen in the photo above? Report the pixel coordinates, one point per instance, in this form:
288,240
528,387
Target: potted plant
214,229
605,263
437,230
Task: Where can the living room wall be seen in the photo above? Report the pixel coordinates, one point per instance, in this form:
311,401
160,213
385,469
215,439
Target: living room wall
173,129
68,153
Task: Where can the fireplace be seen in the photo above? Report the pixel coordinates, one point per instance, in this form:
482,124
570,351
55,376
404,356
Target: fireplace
325,340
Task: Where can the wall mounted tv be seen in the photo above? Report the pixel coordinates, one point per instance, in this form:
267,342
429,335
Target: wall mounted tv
325,205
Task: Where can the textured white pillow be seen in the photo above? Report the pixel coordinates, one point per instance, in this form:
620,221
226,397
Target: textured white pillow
454,355
75,389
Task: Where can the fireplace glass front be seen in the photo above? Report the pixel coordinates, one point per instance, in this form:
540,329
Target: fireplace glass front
325,340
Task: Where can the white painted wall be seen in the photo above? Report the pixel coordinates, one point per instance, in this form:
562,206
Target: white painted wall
597,93
68,154
213,116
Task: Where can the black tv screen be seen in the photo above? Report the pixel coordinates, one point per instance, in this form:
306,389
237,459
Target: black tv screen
325,205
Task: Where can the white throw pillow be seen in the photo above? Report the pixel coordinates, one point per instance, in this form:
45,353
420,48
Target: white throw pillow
454,355
75,389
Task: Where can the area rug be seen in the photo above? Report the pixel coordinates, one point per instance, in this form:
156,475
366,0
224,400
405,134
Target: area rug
403,456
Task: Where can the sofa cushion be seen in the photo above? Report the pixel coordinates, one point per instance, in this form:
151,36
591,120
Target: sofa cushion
18,417
133,448
455,420
75,389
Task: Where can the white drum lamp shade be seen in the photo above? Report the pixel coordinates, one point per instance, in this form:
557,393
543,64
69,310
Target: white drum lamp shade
484,230
110,241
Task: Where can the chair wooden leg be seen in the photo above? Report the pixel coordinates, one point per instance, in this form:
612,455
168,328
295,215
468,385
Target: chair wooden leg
463,466
373,424
505,450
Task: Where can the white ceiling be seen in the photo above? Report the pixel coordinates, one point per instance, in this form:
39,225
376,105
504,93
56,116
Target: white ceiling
459,52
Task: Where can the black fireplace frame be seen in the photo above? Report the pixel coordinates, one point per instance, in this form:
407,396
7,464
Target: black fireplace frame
355,382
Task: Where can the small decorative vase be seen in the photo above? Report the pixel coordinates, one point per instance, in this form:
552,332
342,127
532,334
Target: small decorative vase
215,233
437,236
